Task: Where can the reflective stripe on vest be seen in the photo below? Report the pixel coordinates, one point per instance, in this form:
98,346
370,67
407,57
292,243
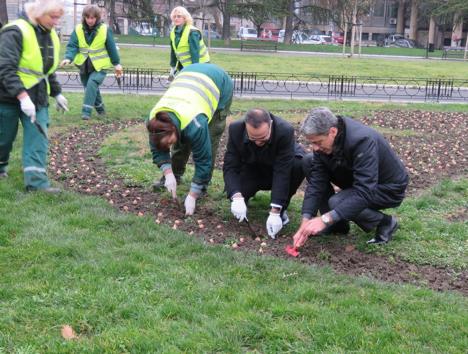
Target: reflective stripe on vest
97,51
31,66
189,95
182,51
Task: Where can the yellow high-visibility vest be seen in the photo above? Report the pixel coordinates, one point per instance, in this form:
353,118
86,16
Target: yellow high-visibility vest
189,95
31,66
182,51
97,51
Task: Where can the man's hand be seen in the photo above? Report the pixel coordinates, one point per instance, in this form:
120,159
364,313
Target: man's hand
118,70
65,62
190,203
314,226
299,238
238,208
171,184
28,107
274,224
61,103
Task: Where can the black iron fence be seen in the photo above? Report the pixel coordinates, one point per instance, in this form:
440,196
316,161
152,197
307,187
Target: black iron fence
137,80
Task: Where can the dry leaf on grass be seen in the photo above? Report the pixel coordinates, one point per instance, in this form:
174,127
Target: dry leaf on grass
68,332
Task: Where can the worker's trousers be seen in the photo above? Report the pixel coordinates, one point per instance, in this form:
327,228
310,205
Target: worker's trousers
92,95
35,144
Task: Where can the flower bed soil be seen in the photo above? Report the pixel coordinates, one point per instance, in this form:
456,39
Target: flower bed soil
437,149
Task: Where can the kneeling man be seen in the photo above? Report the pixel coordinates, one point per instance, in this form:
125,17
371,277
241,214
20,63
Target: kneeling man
359,161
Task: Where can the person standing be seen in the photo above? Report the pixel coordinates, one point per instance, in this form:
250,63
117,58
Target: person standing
190,117
92,48
29,57
187,45
262,154
359,161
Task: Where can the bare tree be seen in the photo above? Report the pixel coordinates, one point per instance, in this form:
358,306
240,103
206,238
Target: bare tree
3,12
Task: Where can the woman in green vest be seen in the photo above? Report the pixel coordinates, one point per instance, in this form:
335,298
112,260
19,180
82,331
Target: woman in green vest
29,56
190,118
187,46
92,48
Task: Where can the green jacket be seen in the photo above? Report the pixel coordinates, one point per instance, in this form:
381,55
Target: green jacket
194,42
11,47
73,47
197,132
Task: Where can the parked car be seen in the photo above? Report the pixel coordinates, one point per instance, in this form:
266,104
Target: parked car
247,33
213,34
404,43
389,39
318,39
338,38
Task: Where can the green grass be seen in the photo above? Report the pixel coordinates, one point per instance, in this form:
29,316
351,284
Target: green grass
219,43
127,285
158,58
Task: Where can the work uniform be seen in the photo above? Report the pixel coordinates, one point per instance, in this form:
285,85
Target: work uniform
29,56
198,102
276,165
94,51
366,169
187,47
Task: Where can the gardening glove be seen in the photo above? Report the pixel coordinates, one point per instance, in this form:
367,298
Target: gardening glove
118,70
65,62
61,103
171,184
171,74
190,203
28,108
239,209
274,224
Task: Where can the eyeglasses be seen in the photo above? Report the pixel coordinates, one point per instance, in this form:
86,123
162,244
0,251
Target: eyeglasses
262,139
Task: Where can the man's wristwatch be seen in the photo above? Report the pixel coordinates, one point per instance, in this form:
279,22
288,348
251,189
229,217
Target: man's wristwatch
326,219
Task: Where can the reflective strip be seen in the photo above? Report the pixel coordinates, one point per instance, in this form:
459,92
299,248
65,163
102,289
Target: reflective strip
197,90
202,54
99,57
181,54
3,161
87,106
34,169
185,60
213,90
33,72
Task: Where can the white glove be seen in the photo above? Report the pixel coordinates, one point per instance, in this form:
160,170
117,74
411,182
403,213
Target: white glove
274,224
28,107
61,103
239,209
173,71
189,204
171,184
65,62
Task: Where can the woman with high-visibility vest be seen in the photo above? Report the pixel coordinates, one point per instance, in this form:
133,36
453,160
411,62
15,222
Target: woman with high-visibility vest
190,117
187,45
29,56
92,48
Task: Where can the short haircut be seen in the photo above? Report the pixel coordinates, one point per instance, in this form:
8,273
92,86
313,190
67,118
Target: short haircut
180,10
39,8
319,121
159,127
256,117
91,11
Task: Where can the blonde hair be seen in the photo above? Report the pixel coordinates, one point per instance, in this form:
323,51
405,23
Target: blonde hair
180,10
39,8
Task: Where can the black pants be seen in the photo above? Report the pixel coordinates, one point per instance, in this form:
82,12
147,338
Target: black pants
256,178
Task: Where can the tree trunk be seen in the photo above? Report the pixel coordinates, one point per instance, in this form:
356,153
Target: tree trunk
288,30
400,27
227,23
3,13
414,20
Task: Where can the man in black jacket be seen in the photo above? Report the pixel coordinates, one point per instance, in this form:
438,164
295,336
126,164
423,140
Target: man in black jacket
262,154
359,161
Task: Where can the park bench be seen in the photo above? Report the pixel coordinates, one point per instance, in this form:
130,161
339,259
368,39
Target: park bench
259,45
453,52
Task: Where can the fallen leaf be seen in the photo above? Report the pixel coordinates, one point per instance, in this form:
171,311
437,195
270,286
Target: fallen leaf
68,333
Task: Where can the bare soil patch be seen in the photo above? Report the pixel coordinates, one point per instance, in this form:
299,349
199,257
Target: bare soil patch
437,150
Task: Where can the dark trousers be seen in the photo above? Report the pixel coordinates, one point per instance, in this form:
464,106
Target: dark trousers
92,96
255,178
384,196
180,152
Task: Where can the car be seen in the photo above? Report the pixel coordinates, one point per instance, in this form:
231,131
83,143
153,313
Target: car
392,38
338,38
404,43
318,39
212,34
247,33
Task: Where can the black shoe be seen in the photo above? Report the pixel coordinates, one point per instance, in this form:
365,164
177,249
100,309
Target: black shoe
340,228
159,185
385,230
50,190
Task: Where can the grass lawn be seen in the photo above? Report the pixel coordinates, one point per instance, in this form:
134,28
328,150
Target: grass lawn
158,58
128,285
